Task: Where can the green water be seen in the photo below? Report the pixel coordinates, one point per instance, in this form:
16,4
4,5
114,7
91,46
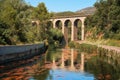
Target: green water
94,67
64,64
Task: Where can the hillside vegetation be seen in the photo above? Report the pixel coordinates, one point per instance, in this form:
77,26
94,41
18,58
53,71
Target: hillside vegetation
105,23
68,14
87,11
16,26
106,20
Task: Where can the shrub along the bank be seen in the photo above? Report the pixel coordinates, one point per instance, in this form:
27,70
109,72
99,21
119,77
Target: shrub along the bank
88,48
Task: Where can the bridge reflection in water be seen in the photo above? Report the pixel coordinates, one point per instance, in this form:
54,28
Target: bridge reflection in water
63,64
72,55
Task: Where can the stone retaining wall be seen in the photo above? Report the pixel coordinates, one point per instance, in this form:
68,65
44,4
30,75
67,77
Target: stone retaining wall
17,52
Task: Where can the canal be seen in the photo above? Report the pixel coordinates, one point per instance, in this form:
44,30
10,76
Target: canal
61,64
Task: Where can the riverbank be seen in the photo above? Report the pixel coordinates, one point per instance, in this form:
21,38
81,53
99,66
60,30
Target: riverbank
115,48
108,42
17,52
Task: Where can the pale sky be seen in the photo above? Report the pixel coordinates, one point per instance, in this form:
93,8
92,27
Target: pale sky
63,5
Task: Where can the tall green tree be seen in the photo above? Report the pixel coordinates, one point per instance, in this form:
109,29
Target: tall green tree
13,13
106,19
41,15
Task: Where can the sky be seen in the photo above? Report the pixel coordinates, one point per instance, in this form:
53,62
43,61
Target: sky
63,5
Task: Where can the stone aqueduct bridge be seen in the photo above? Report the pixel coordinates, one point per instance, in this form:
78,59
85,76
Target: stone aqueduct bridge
74,24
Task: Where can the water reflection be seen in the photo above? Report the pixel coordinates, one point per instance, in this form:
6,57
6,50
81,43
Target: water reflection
72,67
54,64
63,64
82,62
69,56
76,61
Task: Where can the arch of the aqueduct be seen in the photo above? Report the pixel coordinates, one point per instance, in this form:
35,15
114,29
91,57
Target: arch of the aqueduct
72,20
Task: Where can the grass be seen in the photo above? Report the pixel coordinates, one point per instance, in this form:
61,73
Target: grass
113,43
109,42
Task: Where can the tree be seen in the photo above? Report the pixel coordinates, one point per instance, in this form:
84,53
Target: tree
4,33
12,14
16,23
106,18
41,15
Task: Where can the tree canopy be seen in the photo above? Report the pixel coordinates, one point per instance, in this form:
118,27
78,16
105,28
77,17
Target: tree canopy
106,19
16,22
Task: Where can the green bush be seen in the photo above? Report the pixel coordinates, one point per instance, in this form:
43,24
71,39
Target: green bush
88,48
72,44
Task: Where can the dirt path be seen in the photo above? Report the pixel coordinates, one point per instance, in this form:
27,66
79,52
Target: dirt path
117,49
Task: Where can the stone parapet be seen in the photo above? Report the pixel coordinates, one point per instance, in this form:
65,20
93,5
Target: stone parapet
17,52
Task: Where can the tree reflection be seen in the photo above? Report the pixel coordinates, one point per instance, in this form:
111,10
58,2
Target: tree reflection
101,69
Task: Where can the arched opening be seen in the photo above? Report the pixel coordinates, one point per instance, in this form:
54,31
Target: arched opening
67,30
77,29
58,24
